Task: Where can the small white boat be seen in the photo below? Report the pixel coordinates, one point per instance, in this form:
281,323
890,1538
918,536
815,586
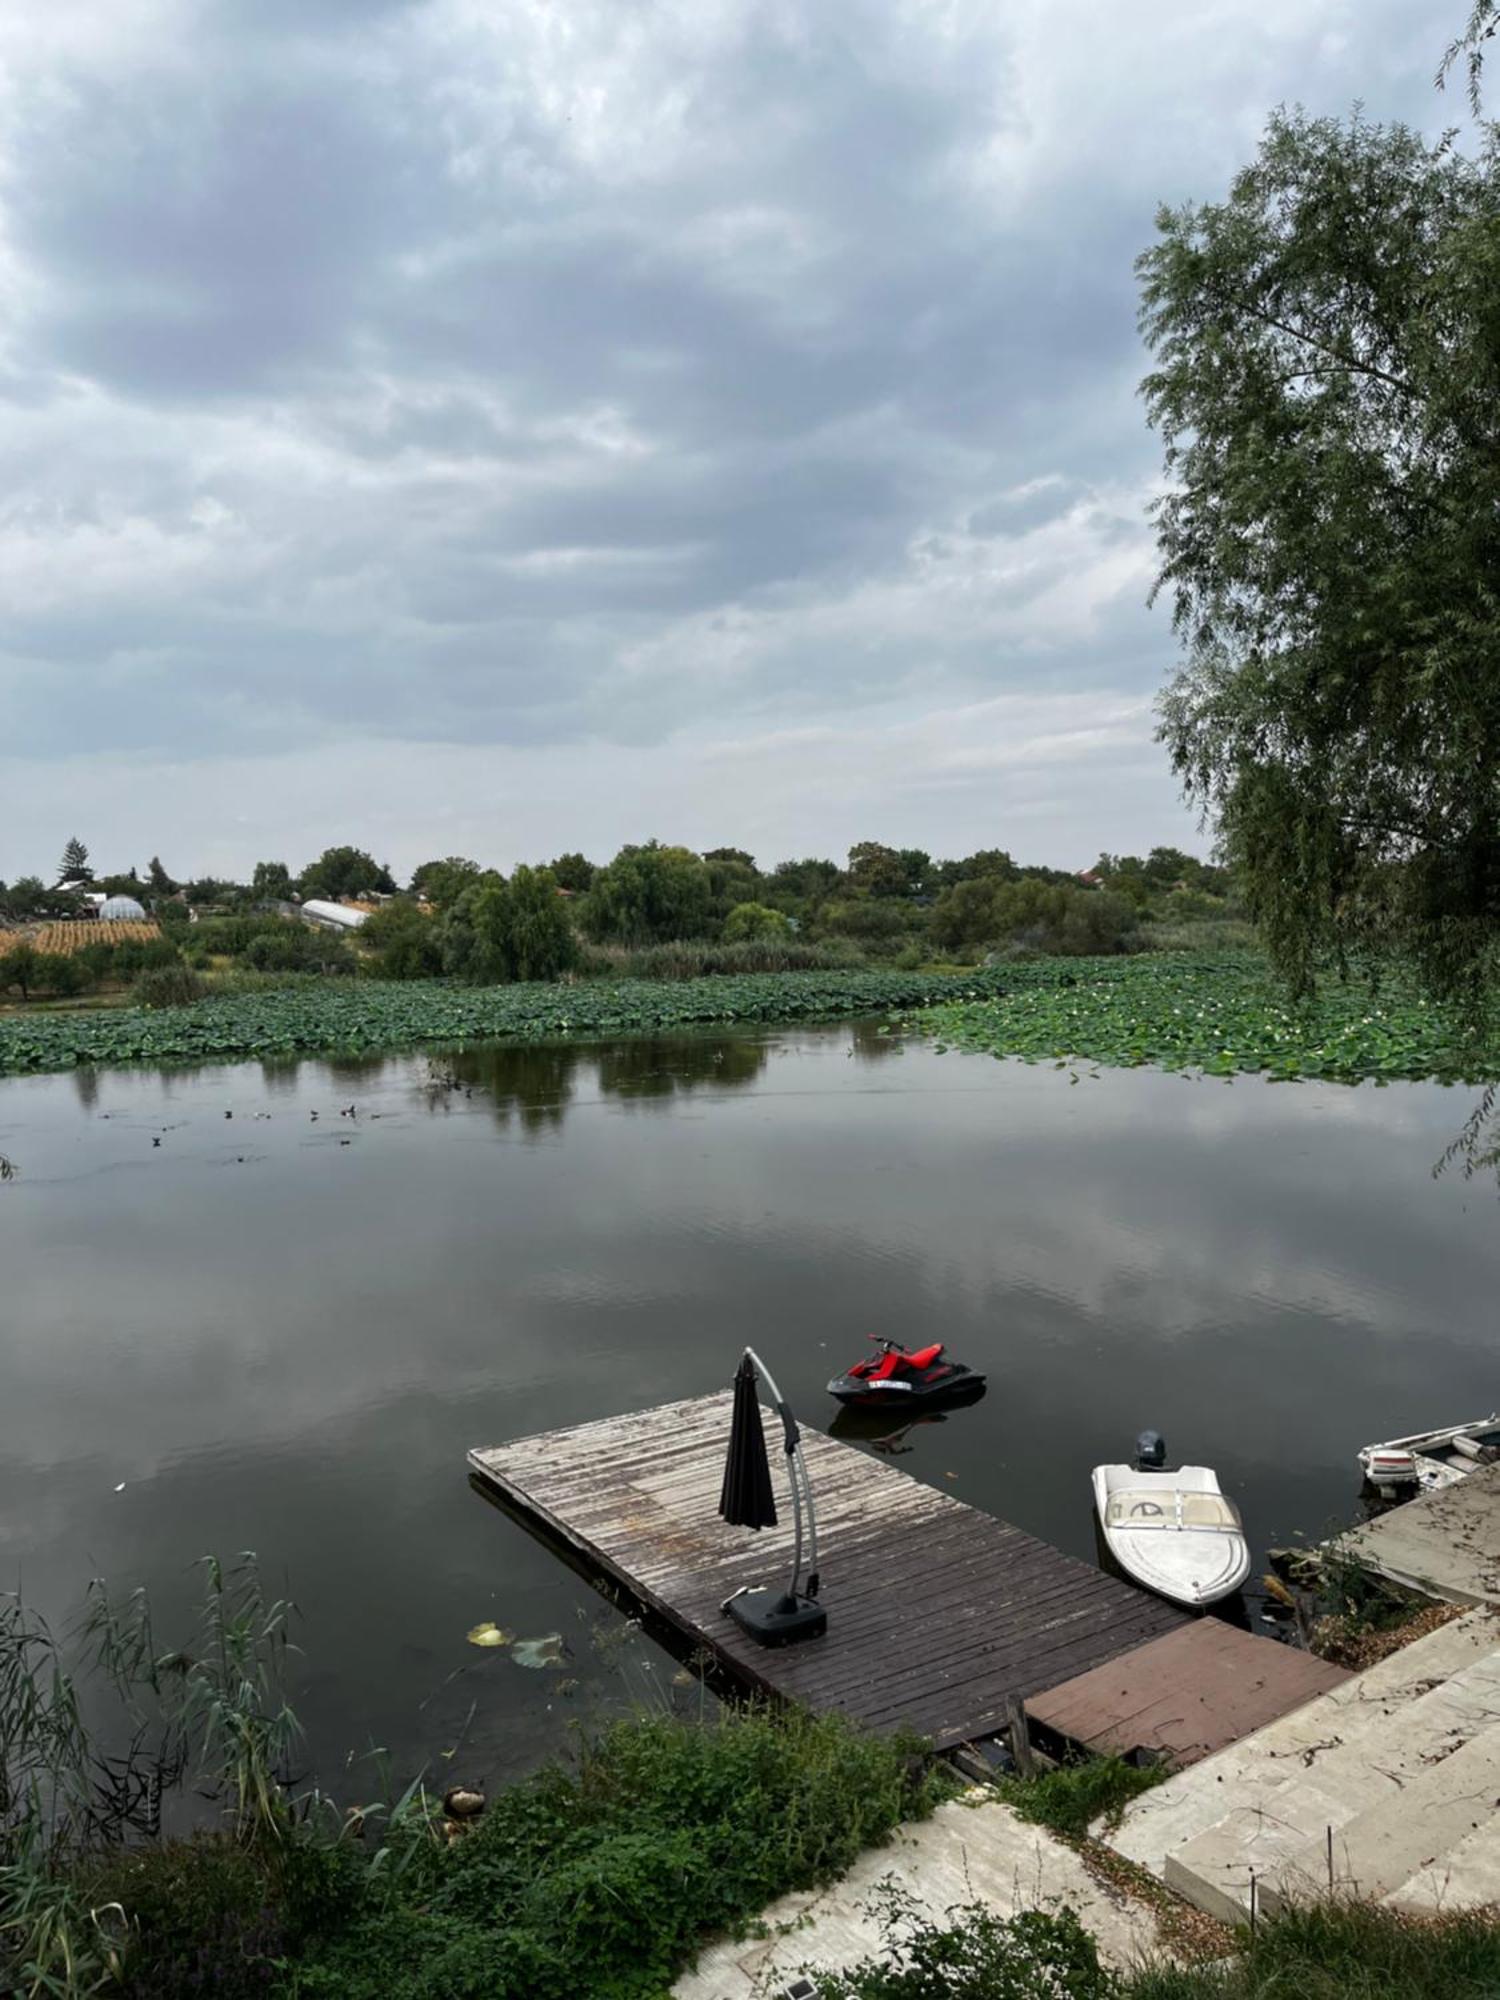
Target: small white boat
1173,1531
1430,1460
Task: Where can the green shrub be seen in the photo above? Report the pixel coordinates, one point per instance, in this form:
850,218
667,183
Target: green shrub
748,921
600,1880
701,959
168,986
976,1955
403,940
1070,1799
203,1916
294,946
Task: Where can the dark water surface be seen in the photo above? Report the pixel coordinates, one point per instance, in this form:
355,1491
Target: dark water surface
281,1332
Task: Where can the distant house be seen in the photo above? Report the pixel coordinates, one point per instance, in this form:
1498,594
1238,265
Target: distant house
334,916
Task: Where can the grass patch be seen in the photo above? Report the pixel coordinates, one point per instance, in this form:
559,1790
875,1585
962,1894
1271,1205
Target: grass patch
1070,1799
1333,1952
1346,1952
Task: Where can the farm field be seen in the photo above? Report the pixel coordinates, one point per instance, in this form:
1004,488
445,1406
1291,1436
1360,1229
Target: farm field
61,940
1218,1015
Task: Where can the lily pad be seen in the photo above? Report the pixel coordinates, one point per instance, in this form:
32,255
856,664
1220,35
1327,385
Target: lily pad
489,1634
548,1651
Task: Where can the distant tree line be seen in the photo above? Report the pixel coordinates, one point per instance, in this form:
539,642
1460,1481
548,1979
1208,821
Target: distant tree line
656,909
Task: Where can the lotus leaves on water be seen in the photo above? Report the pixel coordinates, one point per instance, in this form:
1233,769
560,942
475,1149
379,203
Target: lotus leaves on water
1218,1015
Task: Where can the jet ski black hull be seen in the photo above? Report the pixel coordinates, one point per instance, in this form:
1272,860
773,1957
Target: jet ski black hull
930,1390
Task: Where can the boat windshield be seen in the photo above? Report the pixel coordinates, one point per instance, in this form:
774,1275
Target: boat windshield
1167,1508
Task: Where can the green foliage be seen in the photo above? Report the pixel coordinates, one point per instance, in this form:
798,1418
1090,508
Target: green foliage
573,872
29,897
871,919
1220,1015
648,895
1054,917
748,921
1325,388
167,986
603,1878
694,960
404,941
367,1015
18,970
1345,1951
289,945
74,866
1069,1799
500,931
271,882
441,883
975,1955
201,1916
157,878
341,872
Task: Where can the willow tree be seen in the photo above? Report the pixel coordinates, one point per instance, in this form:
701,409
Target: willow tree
1327,388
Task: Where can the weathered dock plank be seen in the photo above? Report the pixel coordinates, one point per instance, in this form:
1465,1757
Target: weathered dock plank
938,1614
1445,1544
1185,1695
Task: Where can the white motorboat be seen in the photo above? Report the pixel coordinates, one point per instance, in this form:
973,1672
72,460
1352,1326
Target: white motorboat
1430,1460
1173,1531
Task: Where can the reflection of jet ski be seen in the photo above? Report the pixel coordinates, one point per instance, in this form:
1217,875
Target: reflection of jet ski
897,1379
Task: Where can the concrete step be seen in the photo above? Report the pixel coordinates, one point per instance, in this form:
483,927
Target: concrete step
1217,1868
1363,1854
1358,1743
1467,1877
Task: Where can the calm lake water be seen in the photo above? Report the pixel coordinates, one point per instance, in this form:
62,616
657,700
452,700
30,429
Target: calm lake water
281,1329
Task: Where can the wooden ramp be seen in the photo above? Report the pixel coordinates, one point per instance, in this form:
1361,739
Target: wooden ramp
937,1614
1185,1695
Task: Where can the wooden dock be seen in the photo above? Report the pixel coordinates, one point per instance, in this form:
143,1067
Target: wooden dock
1184,1696
938,1615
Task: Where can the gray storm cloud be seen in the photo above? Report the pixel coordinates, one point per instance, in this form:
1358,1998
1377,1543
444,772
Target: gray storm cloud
555,423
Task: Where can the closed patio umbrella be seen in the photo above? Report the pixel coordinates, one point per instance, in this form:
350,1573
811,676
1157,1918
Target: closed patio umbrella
746,1499
770,1617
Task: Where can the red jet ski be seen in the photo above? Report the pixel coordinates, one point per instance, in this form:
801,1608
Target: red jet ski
898,1378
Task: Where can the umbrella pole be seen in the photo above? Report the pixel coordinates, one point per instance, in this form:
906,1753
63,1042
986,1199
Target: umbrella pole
799,1481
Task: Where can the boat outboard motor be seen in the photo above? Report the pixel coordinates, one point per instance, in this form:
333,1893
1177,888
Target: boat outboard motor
1150,1451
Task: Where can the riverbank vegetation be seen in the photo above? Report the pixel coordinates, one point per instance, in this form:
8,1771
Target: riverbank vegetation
597,1875
1218,1015
1327,1952
661,910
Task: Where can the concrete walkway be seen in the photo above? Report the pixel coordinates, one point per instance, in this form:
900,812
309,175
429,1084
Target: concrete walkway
972,1850
1445,1544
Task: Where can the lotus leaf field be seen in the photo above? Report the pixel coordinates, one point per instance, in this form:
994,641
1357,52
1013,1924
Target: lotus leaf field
1216,1015
366,1016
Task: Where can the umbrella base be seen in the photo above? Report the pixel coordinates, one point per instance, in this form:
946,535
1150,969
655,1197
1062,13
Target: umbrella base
776,1617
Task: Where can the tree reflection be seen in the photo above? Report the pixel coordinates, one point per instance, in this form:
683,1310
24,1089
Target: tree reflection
86,1084
661,1066
534,1083
530,1082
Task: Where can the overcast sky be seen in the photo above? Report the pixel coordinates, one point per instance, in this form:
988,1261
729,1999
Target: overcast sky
494,427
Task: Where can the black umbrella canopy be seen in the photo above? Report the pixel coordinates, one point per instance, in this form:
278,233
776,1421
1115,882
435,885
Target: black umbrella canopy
747,1500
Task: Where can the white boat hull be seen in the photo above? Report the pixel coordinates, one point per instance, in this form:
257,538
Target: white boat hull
1175,1533
1427,1461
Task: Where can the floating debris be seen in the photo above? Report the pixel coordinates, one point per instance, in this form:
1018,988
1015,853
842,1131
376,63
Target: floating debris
548,1651
683,1679
489,1634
